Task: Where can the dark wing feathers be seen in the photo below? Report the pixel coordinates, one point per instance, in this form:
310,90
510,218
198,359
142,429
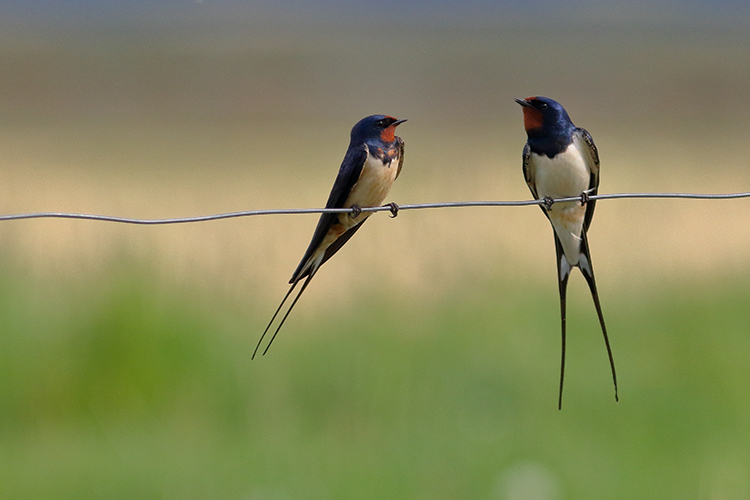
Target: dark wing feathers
594,180
529,176
526,170
336,245
349,172
400,156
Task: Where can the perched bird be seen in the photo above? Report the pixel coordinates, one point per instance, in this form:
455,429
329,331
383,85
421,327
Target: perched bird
560,160
371,164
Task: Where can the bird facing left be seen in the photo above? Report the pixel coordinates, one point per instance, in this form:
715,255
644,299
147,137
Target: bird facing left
371,164
560,160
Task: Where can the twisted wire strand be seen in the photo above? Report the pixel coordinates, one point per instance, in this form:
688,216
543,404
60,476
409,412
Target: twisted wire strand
389,208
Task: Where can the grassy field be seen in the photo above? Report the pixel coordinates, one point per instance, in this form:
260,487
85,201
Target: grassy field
139,390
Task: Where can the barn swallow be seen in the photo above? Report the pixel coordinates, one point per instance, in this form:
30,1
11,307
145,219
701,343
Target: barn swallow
371,164
560,160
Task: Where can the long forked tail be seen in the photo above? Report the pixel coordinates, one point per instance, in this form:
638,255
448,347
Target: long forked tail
563,273
294,302
283,319
260,340
584,264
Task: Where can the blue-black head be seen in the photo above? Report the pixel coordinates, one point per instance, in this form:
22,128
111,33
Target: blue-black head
547,124
544,113
376,127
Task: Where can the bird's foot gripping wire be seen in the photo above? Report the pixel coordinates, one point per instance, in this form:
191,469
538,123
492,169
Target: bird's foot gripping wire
356,211
585,196
548,202
394,209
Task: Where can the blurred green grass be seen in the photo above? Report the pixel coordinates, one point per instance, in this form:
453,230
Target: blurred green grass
135,388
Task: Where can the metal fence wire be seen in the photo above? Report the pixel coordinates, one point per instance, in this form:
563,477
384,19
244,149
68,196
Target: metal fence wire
384,208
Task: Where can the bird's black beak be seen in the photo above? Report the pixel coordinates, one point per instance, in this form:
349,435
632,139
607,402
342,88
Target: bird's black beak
523,102
398,122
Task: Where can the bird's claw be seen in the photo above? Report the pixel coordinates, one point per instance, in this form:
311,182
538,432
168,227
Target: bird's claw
586,196
548,202
356,211
394,209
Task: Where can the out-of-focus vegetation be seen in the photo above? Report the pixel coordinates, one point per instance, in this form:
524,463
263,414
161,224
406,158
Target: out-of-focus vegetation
135,389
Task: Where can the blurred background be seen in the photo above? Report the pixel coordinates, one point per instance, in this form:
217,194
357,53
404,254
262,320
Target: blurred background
423,360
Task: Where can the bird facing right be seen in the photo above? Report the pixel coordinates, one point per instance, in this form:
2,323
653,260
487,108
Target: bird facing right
560,160
371,164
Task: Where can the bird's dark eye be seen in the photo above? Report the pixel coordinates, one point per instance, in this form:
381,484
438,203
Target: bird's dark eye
543,105
380,123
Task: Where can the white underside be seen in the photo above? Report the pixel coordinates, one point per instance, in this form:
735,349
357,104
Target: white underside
371,189
568,174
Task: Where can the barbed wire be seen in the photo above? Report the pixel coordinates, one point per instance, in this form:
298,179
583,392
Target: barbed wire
384,208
